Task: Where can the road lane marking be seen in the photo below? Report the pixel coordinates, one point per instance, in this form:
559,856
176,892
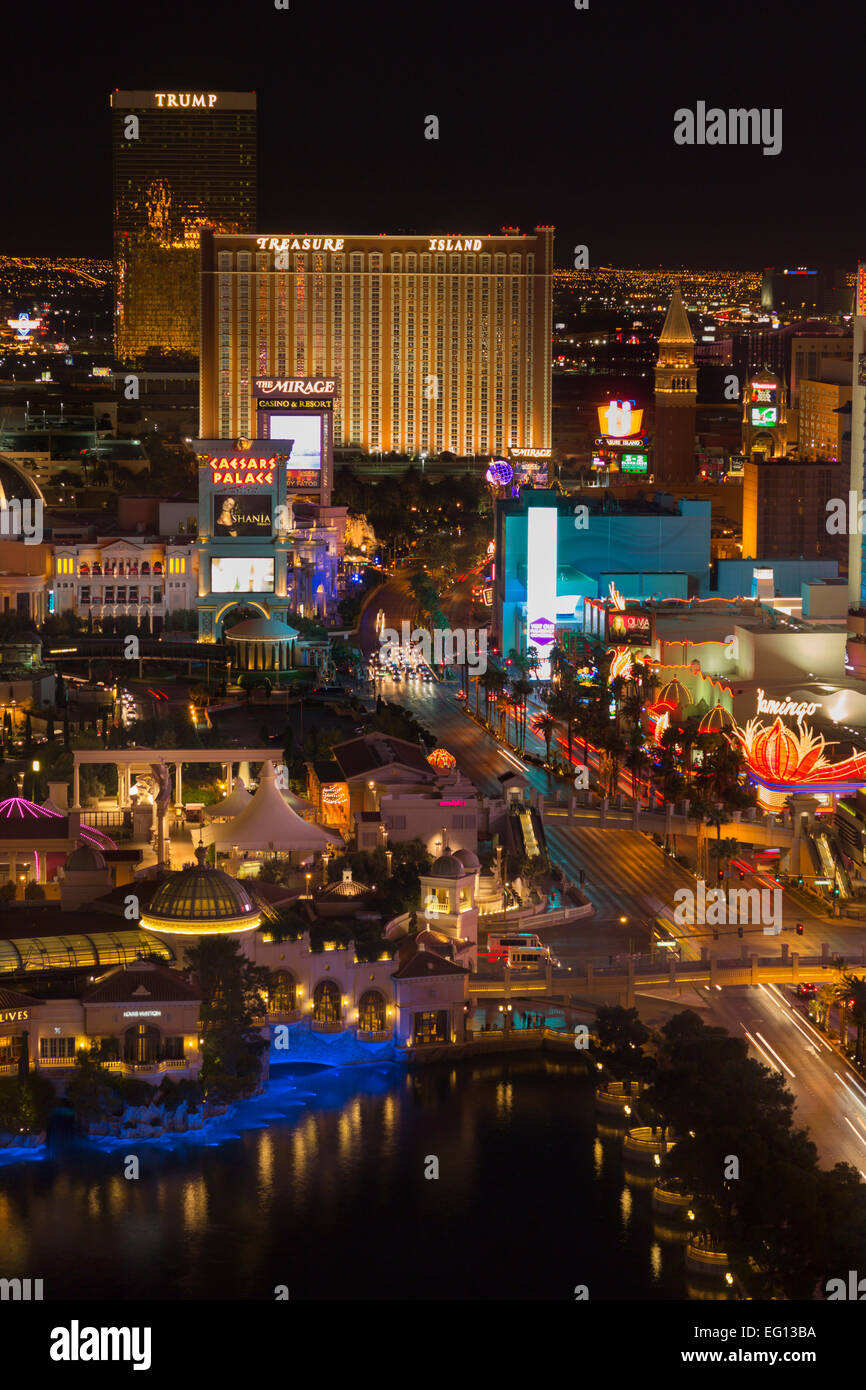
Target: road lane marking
758,1047
848,1088
775,1054
851,1127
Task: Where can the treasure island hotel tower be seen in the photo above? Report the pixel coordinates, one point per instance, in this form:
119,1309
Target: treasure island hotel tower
434,343
180,161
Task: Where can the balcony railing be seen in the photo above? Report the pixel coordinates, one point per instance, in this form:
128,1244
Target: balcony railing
378,1035
320,1027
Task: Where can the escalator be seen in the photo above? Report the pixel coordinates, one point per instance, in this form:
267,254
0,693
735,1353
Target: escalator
828,860
527,829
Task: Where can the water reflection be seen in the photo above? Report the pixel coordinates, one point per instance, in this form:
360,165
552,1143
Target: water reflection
317,1185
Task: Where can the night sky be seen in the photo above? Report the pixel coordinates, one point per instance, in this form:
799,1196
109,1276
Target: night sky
547,114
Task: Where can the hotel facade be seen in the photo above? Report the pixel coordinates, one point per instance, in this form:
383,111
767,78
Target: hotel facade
180,161
436,344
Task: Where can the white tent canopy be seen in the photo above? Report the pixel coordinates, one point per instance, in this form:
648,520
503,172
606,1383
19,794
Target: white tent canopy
268,823
231,805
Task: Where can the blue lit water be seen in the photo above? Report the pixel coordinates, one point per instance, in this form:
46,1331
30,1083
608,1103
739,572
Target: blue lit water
320,1185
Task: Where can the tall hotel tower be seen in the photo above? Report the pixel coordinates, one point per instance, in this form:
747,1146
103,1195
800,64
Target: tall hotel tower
435,343
676,393
856,652
181,161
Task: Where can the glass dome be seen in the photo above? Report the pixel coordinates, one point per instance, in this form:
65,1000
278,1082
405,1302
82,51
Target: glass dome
200,901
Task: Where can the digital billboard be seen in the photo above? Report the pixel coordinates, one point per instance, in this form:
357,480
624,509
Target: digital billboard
629,627
634,463
619,419
531,472
231,574
531,466
764,415
298,412
244,514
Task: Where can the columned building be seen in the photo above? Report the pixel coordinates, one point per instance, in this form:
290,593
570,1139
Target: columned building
676,391
435,343
118,576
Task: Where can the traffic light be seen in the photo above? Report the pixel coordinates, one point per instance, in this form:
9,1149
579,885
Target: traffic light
799,928
715,934
739,931
742,876
720,873
800,881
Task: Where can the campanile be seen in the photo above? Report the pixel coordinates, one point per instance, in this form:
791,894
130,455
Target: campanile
676,388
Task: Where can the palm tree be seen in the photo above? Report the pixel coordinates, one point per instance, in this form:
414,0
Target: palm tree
725,850
851,994
824,1001
545,724
564,706
521,689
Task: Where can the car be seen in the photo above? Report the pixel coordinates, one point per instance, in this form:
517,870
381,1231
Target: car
806,991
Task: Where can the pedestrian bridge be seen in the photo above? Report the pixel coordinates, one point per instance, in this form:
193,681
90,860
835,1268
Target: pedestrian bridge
620,983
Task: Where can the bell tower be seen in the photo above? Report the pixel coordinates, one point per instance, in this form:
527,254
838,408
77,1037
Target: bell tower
676,391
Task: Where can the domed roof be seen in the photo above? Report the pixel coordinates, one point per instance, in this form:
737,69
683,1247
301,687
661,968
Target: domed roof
715,720
14,482
447,866
674,694
260,630
84,859
468,858
200,901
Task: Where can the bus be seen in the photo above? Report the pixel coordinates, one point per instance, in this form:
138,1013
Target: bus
519,948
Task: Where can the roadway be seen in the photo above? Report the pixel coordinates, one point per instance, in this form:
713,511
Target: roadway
831,1097
626,873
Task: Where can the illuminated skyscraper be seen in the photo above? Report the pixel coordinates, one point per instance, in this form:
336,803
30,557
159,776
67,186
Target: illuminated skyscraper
181,161
676,388
856,526
435,343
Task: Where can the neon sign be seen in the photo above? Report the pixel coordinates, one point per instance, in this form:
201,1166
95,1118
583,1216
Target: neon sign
24,325
300,243
466,243
541,631
619,419
786,706
243,472
193,99
296,386
499,473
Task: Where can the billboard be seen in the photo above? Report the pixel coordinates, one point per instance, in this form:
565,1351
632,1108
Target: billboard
634,462
242,514
763,416
298,412
619,419
531,466
629,627
249,574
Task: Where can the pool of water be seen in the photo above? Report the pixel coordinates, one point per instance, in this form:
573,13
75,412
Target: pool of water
320,1185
